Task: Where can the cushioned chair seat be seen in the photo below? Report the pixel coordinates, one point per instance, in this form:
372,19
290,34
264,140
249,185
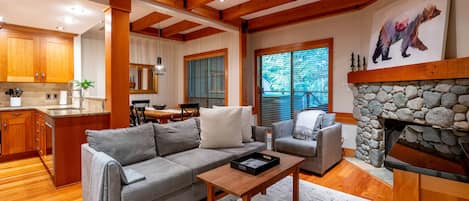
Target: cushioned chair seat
248,148
162,177
291,145
200,160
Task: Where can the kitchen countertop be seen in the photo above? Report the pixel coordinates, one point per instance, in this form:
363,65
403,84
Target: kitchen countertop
57,111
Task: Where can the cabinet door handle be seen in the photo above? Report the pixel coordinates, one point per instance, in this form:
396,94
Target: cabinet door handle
17,113
36,76
5,125
43,76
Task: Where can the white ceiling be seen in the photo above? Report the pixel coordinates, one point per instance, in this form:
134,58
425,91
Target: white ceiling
48,14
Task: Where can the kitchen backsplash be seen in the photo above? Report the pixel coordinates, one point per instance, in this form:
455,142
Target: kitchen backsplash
34,94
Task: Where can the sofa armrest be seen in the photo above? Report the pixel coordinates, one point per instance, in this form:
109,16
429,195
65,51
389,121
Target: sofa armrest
259,132
282,129
113,175
329,141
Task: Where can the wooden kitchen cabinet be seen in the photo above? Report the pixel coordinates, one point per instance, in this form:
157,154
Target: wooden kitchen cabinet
35,55
58,60
17,135
19,57
43,136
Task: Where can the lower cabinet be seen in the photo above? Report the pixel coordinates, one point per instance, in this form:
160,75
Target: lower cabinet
43,138
16,130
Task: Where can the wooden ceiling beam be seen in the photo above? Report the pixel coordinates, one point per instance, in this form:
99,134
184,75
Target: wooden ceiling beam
207,11
172,3
154,32
201,33
149,20
178,27
250,7
191,4
309,11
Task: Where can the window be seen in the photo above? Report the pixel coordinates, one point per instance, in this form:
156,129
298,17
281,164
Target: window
205,78
293,78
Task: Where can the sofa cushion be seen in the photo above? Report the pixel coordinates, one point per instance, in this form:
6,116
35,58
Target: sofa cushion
126,145
162,177
294,146
248,148
328,120
220,128
246,121
200,160
176,137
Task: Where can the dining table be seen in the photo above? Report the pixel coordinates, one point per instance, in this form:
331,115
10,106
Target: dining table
165,115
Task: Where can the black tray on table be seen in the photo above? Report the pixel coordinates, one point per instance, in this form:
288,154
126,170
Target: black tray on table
255,163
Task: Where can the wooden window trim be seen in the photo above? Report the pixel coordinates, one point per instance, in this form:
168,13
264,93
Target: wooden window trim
204,55
328,42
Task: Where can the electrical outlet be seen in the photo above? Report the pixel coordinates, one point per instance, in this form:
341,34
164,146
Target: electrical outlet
55,96
47,96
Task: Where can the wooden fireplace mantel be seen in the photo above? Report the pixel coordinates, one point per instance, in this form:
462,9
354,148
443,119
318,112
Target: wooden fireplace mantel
446,69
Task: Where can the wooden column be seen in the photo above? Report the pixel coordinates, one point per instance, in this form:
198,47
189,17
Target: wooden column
242,63
117,39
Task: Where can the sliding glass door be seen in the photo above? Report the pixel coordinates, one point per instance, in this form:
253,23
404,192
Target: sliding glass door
292,81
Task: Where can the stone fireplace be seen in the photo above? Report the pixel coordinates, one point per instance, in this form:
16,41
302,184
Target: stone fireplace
438,103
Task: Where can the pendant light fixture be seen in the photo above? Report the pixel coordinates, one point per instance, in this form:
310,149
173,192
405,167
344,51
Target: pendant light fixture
159,68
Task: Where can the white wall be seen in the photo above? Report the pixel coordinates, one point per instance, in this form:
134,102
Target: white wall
351,32
93,65
144,50
219,41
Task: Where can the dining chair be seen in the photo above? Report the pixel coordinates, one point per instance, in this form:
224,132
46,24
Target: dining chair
139,109
188,110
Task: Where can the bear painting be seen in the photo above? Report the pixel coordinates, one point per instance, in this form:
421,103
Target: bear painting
408,32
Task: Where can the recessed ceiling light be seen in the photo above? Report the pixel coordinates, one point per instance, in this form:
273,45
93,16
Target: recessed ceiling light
60,28
78,10
2,18
69,20
222,0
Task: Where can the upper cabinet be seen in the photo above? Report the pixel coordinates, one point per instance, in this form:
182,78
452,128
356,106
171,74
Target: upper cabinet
34,55
58,60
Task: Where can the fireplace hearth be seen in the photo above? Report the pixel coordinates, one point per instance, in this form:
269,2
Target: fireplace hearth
435,103
425,149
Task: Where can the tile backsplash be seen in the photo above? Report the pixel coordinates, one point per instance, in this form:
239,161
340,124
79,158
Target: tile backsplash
34,94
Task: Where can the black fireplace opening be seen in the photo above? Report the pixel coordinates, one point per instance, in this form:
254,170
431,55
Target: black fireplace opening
426,149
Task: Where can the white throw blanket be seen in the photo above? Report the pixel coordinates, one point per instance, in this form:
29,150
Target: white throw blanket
305,124
98,188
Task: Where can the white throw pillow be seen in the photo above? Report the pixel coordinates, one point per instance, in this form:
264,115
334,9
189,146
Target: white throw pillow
246,121
220,128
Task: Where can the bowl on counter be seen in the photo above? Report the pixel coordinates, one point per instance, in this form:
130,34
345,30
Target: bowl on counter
159,107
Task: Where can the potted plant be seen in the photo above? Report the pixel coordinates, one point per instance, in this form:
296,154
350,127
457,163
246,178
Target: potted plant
84,85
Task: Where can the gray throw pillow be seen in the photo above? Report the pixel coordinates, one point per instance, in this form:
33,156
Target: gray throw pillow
176,137
126,145
328,120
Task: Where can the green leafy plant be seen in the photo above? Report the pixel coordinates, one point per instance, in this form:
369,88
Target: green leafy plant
84,84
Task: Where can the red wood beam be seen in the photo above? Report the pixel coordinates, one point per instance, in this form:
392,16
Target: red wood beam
149,20
178,27
201,33
250,7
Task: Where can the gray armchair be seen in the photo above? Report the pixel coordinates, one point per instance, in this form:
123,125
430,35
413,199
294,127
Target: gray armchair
320,155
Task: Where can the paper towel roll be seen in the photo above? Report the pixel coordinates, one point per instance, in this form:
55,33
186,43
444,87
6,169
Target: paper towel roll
63,98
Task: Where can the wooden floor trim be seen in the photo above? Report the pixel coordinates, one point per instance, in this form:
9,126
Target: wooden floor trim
347,152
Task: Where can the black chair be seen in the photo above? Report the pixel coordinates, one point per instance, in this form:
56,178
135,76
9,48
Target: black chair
188,110
139,111
133,117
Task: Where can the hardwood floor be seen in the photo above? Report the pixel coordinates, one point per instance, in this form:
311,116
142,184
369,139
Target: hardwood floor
27,179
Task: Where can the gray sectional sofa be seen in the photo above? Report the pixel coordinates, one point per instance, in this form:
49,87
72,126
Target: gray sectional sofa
170,167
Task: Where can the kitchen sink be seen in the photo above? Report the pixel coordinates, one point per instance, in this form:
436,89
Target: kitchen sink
63,108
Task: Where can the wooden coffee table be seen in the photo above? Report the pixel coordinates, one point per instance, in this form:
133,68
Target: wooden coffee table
244,185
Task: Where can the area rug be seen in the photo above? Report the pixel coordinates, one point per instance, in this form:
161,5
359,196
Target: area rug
282,191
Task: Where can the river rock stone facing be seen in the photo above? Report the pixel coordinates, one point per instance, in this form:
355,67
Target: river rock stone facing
440,103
